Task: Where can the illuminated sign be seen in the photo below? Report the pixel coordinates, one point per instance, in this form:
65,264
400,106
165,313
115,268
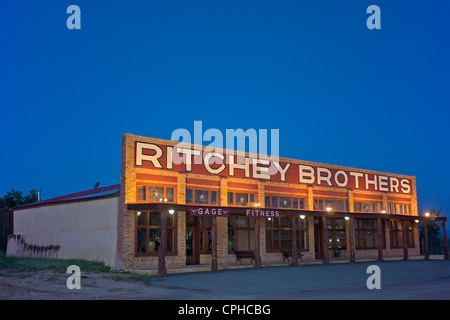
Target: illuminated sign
208,212
200,161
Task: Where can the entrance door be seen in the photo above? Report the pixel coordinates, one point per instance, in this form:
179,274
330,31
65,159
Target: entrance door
318,237
192,243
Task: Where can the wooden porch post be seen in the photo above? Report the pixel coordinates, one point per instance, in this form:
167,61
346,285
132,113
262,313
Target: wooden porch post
405,240
425,240
444,239
162,246
257,254
380,239
325,254
294,253
214,244
352,239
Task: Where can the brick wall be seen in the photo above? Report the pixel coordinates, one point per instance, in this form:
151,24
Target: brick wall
126,246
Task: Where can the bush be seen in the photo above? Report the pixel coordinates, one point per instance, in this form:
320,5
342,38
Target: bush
33,264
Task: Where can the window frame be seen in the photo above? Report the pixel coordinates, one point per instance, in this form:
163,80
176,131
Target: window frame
271,240
147,227
236,228
270,203
333,230
320,204
209,190
396,234
249,196
358,206
148,185
360,227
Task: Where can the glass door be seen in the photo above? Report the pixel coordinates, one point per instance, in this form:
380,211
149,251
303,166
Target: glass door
192,243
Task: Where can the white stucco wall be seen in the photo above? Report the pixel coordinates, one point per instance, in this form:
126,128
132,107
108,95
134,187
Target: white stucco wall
83,230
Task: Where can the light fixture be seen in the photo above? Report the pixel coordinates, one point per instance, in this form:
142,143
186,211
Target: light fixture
302,216
427,214
383,211
329,209
138,213
257,204
171,211
416,221
269,219
347,218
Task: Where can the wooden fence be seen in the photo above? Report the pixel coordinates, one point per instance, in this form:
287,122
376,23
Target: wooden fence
6,227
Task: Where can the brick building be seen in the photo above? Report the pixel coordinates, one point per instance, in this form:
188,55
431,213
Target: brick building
178,205
212,204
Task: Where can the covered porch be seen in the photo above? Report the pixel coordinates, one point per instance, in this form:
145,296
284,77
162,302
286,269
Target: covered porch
320,233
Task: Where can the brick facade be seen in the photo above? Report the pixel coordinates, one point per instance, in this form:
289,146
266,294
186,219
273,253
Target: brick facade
132,176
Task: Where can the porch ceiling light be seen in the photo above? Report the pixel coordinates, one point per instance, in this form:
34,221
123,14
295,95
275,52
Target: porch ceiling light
171,211
347,218
302,216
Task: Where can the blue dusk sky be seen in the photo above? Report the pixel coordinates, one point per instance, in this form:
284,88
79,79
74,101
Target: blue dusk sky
338,92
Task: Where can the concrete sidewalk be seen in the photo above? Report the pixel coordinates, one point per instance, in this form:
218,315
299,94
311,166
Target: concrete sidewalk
399,280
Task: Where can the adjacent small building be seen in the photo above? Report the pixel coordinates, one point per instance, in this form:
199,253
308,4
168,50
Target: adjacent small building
180,204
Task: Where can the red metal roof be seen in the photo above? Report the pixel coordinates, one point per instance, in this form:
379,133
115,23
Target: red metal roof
78,196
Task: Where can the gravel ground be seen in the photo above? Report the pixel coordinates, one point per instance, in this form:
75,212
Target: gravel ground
399,280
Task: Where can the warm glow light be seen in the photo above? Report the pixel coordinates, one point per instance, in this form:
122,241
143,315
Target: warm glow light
165,200
427,214
347,218
302,216
171,211
383,211
139,213
329,209
416,221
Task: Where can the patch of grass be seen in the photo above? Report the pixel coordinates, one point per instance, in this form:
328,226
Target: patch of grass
130,277
15,264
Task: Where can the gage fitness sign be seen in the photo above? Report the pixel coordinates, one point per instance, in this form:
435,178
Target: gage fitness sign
200,161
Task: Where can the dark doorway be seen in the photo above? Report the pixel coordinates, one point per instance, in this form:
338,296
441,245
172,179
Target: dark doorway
192,242
6,227
318,238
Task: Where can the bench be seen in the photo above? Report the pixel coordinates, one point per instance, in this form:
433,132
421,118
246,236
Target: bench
243,254
287,254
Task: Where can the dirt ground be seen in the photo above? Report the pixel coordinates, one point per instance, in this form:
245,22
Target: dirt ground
400,280
51,285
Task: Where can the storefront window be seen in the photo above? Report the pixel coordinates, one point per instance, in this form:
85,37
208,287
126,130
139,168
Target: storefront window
241,233
366,234
396,233
279,234
336,234
148,232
